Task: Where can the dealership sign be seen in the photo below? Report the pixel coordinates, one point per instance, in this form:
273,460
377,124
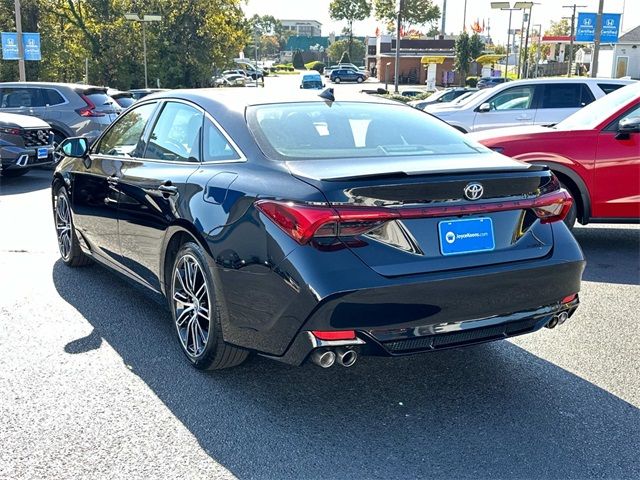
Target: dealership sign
586,30
30,43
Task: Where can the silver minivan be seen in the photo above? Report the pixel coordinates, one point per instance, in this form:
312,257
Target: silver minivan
543,101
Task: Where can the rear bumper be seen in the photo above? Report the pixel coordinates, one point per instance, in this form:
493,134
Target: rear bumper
432,337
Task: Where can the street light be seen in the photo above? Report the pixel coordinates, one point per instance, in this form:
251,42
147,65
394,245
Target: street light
146,18
506,6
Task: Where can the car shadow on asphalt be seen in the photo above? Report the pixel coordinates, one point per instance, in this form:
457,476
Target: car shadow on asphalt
613,254
37,179
493,410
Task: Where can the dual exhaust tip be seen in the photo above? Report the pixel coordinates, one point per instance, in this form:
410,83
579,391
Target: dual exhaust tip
325,358
557,320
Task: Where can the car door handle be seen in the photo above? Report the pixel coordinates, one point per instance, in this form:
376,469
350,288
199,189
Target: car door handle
113,180
523,117
168,189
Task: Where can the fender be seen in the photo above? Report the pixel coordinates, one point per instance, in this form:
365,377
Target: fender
60,127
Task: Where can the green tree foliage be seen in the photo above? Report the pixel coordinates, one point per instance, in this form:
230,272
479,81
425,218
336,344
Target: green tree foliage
339,47
463,55
298,61
351,11
561,27
414,12
193,37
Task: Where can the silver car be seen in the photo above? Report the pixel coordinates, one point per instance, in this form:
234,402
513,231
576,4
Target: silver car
543,101
71,110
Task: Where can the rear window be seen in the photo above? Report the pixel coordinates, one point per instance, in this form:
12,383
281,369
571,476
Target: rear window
125,102
609,87
331,130
566,95
100,99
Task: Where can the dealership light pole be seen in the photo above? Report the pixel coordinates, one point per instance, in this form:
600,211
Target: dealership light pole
573,26
146,18
506,6
21,71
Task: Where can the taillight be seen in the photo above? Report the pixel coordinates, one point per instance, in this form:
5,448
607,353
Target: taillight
303,222
11,131
90,109
334,334
553,207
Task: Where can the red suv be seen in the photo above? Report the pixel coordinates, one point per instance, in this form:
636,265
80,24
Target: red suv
595,153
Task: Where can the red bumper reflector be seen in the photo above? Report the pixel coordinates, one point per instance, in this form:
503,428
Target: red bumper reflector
334,334
569,298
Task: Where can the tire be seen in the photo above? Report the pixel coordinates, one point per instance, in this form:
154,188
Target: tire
15,172
68,245
360,80
196,314
572,216
337,80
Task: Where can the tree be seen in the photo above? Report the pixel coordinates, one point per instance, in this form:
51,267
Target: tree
351,11
298,61
339,47
414,12
463,55
560,28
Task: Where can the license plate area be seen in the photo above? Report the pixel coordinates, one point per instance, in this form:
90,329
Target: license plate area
468,235
42,153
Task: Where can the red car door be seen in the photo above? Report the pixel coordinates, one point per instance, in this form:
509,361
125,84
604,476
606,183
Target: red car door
617,172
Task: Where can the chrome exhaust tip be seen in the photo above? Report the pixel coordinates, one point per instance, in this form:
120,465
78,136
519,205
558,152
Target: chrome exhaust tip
323,358
346,357
553,322
562,317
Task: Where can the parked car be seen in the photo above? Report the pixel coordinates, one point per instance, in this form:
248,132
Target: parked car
347,75
412,92
24,142
124,99
543,101
241,209
442,97
139,93
490,82
345,66
232,80
71,110
311,81
595,153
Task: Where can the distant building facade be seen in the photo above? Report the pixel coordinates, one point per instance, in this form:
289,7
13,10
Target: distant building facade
621,59
304,28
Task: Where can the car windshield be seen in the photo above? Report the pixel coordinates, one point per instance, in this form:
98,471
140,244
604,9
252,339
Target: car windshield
312,84
589,117
331,130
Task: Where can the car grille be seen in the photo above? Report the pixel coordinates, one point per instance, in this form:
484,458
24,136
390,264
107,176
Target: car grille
447,340
36,137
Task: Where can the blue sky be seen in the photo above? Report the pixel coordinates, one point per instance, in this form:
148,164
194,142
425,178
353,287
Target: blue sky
543,13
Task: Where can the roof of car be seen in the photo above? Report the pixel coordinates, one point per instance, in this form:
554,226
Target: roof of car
81,86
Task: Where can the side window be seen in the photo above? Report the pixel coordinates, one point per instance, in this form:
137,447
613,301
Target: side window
52,97
216,146
609,87
123,138
587,95
563,95
632,112
21,97
176,134
516,98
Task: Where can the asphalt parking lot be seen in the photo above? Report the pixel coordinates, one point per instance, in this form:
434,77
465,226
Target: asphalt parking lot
93,384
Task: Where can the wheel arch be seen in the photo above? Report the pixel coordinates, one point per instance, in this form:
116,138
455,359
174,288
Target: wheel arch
577,186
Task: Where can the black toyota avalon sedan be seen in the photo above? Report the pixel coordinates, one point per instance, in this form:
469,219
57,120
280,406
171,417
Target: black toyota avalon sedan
317,228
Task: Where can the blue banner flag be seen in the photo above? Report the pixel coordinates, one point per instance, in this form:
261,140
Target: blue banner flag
586,30
30,42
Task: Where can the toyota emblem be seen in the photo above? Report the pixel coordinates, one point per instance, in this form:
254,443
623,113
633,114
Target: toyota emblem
473,191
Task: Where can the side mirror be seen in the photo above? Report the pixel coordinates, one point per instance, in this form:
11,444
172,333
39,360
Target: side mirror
627,126
76,147
485,107
301,86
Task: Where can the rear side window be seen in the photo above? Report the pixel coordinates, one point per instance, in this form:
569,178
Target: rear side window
609,87
22,97
566,95
52,97
319,130
176,134
216,146
123,139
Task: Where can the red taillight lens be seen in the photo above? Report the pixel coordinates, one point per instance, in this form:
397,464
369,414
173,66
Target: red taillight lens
553,207
334,334
303,222
90,109
569,298
11,131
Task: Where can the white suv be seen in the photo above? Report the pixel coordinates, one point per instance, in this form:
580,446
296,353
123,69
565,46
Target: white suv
542,101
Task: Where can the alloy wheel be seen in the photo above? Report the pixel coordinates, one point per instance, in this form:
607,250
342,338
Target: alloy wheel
63,226
191,303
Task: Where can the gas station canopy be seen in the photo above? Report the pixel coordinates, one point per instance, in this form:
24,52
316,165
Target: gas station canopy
489,58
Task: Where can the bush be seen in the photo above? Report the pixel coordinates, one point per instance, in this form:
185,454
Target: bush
404,99
316,65
298,61
471,81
